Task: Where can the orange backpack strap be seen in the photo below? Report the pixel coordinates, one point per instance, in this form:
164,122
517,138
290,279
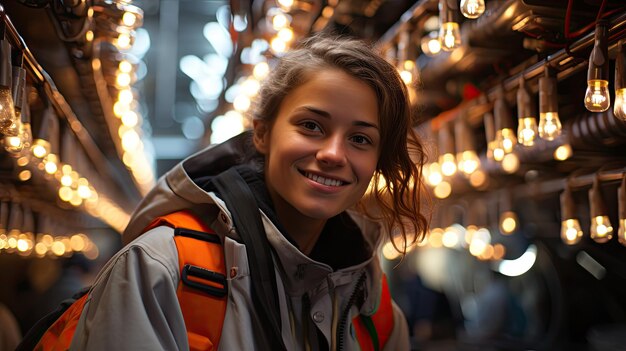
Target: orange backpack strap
201,291
202,288
59,336
372,332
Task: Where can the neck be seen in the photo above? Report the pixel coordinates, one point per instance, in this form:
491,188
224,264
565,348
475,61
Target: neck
303,230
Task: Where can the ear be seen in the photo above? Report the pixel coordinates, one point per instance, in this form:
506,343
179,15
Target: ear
261,135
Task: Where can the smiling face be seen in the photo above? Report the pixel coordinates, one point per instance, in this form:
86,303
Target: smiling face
322,147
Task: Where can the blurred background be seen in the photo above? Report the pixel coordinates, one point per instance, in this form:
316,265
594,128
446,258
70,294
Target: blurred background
520,104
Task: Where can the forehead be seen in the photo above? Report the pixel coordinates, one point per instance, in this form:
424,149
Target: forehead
336,92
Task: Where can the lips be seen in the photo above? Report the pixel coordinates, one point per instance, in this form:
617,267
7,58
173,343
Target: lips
333,182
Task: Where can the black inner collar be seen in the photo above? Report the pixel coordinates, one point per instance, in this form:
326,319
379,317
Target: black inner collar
340,244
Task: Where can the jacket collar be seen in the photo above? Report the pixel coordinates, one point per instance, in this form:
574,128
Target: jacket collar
178,189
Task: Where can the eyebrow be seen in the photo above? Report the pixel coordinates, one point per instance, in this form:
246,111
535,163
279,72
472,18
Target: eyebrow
325,114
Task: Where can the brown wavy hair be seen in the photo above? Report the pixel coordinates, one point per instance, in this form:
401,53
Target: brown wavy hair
397,183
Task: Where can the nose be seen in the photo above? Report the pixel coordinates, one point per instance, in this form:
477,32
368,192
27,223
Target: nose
332,152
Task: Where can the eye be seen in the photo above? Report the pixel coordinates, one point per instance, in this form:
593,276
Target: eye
311,126
361,140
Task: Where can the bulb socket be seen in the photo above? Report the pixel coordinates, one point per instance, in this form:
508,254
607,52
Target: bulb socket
506,201
621,198
48,129
490,129
446,141
4,215
5,64
403,47
19,86
501,112
525,103
596,201
25,107
620,66
462,136
568,206
448,10
548,99
599,58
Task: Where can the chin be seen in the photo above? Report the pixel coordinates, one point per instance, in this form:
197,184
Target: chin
319,212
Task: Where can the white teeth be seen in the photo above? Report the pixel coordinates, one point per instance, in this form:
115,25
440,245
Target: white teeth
322,180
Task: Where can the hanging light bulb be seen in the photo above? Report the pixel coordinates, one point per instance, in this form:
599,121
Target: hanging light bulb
277,19
597,98
449,33
442,190
563,152
285,5
434,176
408,72
494,152
571,232
47,134
51,163
261,70
621,199
549,122
466,157
508,221
278,45
285,34
472,8
619,109
25,132
601,229
406,65
430,44
15,144
447,161
477,236
124,40
7,112
40,148
526,115
505,136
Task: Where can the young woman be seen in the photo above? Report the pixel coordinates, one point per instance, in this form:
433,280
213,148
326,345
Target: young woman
331,121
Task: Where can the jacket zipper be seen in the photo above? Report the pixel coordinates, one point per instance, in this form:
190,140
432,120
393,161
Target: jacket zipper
335,314
306,311
343,321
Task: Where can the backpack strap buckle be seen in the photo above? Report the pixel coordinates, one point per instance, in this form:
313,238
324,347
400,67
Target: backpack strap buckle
218,289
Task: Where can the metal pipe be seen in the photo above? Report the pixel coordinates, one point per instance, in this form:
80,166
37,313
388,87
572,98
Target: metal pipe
596,131
561,59
416,11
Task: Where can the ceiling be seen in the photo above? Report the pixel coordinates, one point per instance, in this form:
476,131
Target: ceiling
176,30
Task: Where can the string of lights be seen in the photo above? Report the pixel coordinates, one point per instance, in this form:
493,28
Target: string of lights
92,188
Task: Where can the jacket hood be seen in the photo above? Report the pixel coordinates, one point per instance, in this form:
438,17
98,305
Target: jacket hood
178,189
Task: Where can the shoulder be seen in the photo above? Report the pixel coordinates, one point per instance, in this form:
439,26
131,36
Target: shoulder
153,252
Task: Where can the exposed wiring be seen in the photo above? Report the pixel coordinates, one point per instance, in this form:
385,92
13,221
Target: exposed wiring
532,35
601,11
61,33
568,16
601,14
38,4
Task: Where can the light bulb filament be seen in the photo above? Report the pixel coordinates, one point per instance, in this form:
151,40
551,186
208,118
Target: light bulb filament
527,131
571,232
597,98
472,8
450,36
549,125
